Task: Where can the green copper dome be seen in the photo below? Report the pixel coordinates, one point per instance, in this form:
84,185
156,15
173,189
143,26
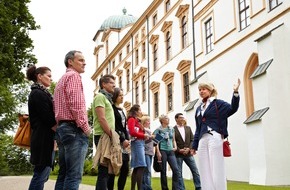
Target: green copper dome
118,21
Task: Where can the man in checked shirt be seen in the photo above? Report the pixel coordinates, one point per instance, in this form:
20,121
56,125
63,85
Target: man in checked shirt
73,128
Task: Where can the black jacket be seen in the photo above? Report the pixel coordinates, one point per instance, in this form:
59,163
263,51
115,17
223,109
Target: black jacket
42,119
119,128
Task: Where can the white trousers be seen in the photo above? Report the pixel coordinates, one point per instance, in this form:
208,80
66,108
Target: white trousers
211,162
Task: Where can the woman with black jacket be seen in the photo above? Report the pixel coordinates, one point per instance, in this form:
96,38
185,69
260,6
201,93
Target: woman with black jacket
120,128
43,124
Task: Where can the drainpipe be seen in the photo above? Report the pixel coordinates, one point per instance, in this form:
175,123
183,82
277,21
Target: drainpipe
148,66
193,40
132,68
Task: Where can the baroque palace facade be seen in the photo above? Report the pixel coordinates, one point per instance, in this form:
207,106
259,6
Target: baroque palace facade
160,58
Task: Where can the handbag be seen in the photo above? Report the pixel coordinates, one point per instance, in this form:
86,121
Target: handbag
227,152
227,149
157,166
23,134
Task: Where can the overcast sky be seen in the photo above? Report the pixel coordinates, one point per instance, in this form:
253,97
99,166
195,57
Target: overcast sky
71,25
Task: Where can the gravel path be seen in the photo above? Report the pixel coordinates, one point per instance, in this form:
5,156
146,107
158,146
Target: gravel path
22,183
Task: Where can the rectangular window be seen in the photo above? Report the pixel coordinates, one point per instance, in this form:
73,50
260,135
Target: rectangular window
167,6
120,57
155,57
208,35
113,64
128,48
143,89
156,105
143,50
120,82
168,46
274,3
154,19
244,12
128,79
184,32
143,33
169,97
107,47
137,92
136,57
186,87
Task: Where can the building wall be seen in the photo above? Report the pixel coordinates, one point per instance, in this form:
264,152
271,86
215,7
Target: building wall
258,148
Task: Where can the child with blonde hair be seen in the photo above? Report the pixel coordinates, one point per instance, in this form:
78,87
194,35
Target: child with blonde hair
149,152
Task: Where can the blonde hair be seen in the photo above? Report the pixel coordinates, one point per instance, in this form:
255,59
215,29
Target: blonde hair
210,87
144,118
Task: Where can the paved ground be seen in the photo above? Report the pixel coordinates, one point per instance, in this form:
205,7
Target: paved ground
22,183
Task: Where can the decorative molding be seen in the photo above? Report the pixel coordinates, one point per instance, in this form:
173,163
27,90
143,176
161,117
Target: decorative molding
168,77
181,10
184,66
153,38
135,76
96,50
154,86
127,64
142,70
166,25
119,72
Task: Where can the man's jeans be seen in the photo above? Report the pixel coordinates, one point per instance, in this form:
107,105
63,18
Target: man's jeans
40,176
190,162
147,173
169,156
73,146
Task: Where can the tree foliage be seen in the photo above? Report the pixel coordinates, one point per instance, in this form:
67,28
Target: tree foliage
13,160
15,55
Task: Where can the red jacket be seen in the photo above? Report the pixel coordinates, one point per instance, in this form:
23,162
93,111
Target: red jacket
135,128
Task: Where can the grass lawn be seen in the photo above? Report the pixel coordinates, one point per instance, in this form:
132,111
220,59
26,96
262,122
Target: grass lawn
91,180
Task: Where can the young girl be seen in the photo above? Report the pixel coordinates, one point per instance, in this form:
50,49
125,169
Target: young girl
149,152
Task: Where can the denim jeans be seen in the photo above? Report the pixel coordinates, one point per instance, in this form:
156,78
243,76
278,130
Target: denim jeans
40,176
73,146
169,156
190,162
147,173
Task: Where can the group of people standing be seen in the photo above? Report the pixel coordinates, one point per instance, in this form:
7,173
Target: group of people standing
64,118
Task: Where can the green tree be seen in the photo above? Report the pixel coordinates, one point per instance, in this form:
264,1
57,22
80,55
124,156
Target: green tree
13,160
52,87
90,147
15,55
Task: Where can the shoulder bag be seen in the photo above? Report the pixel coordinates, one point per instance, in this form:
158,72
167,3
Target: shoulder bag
23,134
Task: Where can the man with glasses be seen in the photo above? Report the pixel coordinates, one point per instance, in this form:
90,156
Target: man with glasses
184,140
103,121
